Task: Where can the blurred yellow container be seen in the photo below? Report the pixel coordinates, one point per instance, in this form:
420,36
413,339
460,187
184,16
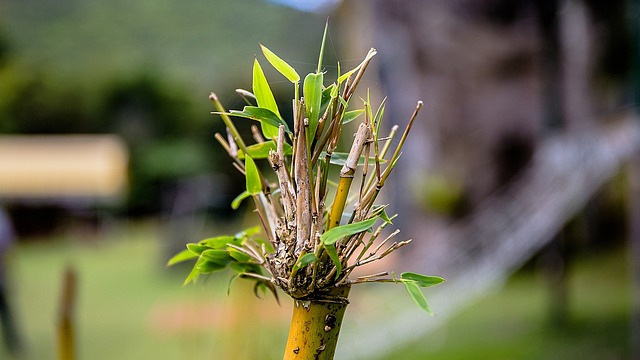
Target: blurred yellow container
62,166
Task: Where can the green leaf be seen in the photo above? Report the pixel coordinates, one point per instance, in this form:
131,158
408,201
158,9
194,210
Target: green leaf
207,267
261,150
242,268
193,275
335,89
267,118
326,97
273,290
262,90
338,232
349,116
231,281
333,254
422,280
312,90
416,294
265,115
183,255
324,39
249,232
304,260
344,76
235,204
239,255
377,119
218,242
217,256
344,102
264,97
254,184
280,65
196,249
259,285
380,210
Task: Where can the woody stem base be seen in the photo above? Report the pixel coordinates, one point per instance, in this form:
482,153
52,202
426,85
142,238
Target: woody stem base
315,326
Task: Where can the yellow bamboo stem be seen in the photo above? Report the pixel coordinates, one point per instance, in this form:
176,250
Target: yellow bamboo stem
315,326
340,200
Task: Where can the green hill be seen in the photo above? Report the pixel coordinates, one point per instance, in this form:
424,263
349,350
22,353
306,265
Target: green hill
199,42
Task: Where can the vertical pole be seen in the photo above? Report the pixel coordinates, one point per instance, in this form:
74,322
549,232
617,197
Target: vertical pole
66,344
551,62
553,103
634,189
554,268
634,252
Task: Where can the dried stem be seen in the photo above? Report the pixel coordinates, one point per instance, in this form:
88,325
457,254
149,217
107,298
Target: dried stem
287,192
227,121
303,191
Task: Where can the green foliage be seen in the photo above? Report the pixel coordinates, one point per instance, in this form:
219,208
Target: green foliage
305,260
349,116
339,232
184,255
280,65
312,91
265,116
172,39
335,258
421,280
414,291
254,184
235,204
261,150
221,252
265,99
413,282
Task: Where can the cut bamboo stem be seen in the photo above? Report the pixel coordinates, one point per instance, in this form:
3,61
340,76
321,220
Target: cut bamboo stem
315,326
346,175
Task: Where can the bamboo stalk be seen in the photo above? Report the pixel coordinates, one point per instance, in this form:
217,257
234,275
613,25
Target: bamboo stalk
346,175
315,326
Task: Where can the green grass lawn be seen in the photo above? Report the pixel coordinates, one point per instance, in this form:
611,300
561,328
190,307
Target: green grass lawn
129,306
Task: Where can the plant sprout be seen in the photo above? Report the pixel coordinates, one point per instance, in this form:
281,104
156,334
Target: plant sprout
314,232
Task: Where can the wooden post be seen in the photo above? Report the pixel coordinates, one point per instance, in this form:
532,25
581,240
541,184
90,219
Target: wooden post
66,343
554,268
634,253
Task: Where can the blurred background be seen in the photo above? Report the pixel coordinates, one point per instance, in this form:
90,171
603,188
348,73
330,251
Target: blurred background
519,183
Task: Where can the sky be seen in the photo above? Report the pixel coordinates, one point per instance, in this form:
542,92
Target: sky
308,5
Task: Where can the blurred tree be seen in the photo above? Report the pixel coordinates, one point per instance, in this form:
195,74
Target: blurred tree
168,137
4,47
